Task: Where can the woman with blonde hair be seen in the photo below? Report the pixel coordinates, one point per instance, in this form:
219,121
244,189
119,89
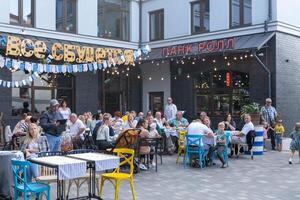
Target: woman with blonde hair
33,144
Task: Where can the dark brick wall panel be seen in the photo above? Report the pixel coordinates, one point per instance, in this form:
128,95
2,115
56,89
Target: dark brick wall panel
287,78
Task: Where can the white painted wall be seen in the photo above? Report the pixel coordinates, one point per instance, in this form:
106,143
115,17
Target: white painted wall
4,14
45,14
288,12
134,21
87,17
219,15
155,84
177,17
260,10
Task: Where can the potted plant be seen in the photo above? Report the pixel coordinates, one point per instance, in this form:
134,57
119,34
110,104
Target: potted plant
254,110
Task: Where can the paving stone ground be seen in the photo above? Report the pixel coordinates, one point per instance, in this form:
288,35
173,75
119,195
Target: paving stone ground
266,177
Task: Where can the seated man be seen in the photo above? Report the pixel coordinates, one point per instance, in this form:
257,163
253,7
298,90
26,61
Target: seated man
240,136
76,128
178,122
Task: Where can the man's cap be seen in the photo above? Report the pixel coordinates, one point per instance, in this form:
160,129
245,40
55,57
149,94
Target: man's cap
54,102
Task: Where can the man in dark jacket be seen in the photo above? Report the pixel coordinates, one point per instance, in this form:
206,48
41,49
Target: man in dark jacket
51,126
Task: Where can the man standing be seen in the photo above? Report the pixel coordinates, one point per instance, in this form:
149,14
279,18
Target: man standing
170,109
51,126
76,128
269,114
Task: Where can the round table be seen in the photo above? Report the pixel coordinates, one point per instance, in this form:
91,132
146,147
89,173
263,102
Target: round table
6,180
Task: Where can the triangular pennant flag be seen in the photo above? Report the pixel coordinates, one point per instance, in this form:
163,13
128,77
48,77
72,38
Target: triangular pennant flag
2,62
16,83
91,68
30,79
104,64
59,68
41,68
53,68
85,67
24,82
113,62
109,64
75,68
4,83
70,68
22,66
8,84
8,63
100,66
35,67
123,59
36,74
64,68
15,64
95,66
80,67
28,66
20,83
12,84
48,69
1,82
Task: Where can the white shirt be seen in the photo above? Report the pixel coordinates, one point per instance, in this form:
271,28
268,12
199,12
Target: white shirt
127,125
197,128
75,128
103,133
159,123
170,111
245,130
65,113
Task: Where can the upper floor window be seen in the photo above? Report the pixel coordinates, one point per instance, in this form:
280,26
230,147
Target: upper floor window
156,25
200,16
241,12
66,15
21,12
114,19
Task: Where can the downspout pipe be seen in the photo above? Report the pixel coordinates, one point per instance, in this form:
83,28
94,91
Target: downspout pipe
270,16
140,23
269,74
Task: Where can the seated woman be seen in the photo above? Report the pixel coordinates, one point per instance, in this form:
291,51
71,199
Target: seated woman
103,139
20,129
230,125
130,122
144,149
33,144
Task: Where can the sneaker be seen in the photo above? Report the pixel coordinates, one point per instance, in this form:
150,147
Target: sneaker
223,165
153,164
265,150
290,161
142,167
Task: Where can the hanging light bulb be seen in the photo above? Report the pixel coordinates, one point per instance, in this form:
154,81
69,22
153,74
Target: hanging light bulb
152,61
188,76
162,78
177,62
175,78
127,74
138,76
246,56
107,71
234,58
162,61
195,59
214,60
225,57
193,63
215,69
150,78
228,64
203,59
241,57
157,64
127,68
251,55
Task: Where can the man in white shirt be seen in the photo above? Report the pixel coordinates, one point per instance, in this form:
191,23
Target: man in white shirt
170,109
240,137
76,128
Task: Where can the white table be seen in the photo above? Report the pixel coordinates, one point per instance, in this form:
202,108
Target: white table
67,168
97,162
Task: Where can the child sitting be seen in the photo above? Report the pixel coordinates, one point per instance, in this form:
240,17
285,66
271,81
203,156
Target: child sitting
221,142
279,131
295,143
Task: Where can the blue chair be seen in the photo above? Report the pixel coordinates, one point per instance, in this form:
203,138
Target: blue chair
21,185
194,146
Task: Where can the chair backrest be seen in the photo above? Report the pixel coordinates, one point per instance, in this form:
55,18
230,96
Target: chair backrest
49,153
77,151
181,138
194,141
227,135
128,138
126,156
7,133
19,169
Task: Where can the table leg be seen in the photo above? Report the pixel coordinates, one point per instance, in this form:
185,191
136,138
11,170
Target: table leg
156,146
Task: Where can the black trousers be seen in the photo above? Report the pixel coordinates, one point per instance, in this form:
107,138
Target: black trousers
271,134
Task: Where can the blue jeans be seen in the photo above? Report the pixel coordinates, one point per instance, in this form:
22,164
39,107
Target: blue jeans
31,172
278,138
54,142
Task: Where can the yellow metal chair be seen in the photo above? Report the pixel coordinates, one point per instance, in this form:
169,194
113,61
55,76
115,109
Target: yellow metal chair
181,145
127,156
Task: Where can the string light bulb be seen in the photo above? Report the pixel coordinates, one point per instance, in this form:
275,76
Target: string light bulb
162,78
214,61
225,57
234,58
150,78
138,76
203,59
188,76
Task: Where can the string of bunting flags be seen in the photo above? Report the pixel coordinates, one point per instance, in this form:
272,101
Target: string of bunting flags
16,84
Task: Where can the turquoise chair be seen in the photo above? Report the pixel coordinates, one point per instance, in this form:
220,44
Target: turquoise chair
225,152
21,185
194,146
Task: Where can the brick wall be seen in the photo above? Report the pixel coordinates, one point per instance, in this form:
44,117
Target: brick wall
287,78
